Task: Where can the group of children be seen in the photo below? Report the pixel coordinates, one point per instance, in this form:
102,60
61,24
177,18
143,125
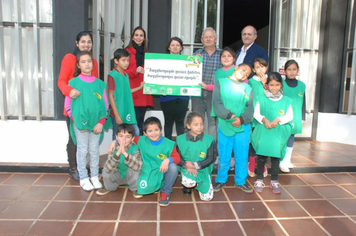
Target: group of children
150,163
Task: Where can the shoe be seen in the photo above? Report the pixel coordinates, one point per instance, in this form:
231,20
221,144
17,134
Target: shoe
164,199
251,167
265,172
136,195
96,182
259,185
275,186
86,184
73,173
232,164
290,165
284,167
244,188
218,186
102,191
187,191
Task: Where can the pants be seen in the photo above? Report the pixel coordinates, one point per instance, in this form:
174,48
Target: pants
239,144
87,143
290,141
174,112
203,104
71,148
170,178
140,116
261,161
113,180
115,125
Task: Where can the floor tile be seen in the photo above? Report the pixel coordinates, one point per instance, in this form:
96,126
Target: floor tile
73,193
350,188
11,192
235,194
338,226
315,179
51,228
297,160
178,212
101,211
341,178
40,193
307,153
96,228
267,194
146,198
72,182
301,227
262,227
52,179
63,210
137,229
113,196
22,179
319,159
179,229
216,228
342,159
347,153
251,210
178,196
286,209
328,153
139,211
348,206
290,180
320,208
211,211
4,205
14,227
332,191
23,210
4,176
303,192
218,196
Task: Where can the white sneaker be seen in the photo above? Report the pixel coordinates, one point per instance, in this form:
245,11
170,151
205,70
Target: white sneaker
284,167
86,184
290,165
96,182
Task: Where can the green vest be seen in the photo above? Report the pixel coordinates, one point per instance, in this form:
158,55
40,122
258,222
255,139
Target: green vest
123,98
296,94
195,152
234,96
272,142
221,74
150,179
122,167
257,89
89,107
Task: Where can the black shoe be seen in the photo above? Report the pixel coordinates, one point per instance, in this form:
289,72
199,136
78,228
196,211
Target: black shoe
186,191
244,188
73,173
218,186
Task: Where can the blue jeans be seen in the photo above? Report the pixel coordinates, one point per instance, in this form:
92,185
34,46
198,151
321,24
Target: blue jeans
170,178
239,143
87,143
114,128
290,141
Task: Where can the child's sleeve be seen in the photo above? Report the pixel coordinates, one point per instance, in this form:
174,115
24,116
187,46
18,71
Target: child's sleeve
134,161
257,114
208,160
112,162
219,108
182,161
67,105
288,117
103,119
303,108
247,116
175,158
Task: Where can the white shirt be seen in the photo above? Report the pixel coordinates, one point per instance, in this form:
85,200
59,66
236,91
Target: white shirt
242,55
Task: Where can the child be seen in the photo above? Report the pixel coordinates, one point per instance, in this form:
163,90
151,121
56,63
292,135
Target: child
122,167
160,159
120,97
273,111
233,104
294,89
196,150
258,83
88,113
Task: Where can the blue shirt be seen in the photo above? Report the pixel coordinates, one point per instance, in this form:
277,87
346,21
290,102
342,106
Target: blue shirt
210,64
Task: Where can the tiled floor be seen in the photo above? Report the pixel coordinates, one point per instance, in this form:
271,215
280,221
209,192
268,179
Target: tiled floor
53,204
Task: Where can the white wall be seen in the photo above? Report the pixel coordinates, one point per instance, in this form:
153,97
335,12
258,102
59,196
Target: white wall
336,128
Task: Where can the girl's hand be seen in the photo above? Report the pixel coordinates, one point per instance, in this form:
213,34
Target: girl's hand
303,122
193,172
118,120
203,85
111,148
140,69
237,122
141,85
98,128
189,165
266,123
275,122
74,93
263,78
164,166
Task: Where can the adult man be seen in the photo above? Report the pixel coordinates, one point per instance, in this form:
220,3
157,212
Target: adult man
250,50
211,62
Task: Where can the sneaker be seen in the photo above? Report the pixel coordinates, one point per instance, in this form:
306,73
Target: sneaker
290,165
102,192
265,172
284,167
136,195
187,191
244,188
275,186
96,182
218,186
164,199
86,184
259,185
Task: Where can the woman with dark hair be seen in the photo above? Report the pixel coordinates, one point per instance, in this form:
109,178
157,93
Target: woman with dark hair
174,107
137,48
83,42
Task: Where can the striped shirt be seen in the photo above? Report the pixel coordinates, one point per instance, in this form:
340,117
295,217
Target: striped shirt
210,64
